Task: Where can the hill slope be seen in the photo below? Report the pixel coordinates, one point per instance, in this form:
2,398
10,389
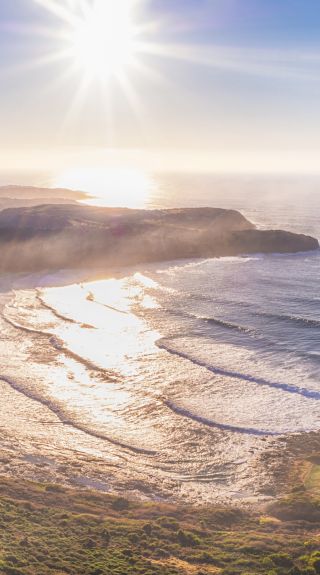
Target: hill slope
62,236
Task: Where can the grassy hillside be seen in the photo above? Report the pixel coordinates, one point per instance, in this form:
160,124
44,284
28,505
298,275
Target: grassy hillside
48,529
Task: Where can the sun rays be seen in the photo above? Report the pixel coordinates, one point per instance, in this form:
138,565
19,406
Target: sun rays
110,59
97,44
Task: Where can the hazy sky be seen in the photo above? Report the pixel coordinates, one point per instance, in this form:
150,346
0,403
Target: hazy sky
216,82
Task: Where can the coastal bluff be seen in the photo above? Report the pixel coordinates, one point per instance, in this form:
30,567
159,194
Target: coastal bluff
72,236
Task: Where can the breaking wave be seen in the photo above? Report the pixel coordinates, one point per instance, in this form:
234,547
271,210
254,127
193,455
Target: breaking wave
179,410
297,320
310,394
65,419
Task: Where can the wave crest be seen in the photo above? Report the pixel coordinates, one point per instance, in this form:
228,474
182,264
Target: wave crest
184,412
289,388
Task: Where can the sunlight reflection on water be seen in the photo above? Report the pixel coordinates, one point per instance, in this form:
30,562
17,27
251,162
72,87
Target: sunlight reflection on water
112,187
114,335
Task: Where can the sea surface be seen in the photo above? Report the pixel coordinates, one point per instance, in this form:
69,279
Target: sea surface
176,379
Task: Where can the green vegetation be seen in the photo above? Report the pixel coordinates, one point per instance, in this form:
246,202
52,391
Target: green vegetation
302,503
47,529
312,478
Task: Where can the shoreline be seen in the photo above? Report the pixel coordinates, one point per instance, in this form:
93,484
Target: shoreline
71,457
50,451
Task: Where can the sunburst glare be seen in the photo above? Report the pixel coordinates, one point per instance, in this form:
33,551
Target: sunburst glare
100,42
97,41
103,40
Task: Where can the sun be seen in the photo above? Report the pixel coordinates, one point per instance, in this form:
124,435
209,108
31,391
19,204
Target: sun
103,40
101,49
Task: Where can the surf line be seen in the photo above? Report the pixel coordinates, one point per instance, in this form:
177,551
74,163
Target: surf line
58,344
308,393
66,421
303,321
213,320
210,423
55,312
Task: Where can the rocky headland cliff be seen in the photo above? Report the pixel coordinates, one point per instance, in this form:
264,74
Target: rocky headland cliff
64,236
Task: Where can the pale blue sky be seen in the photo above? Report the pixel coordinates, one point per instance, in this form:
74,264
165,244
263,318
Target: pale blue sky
220,76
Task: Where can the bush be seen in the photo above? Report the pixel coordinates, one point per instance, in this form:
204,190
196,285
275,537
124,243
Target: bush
187,539
120,504
281,560
169,523
315,563
147,528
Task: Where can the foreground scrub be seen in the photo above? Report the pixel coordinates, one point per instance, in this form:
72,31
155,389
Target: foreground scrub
49,529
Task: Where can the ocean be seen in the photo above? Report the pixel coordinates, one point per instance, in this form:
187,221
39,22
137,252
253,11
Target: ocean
176,380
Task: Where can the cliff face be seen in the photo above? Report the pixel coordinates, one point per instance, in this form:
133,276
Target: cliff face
272,241
61,236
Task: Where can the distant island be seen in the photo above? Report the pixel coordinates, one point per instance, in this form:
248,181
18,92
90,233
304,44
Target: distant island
70,234
14,196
